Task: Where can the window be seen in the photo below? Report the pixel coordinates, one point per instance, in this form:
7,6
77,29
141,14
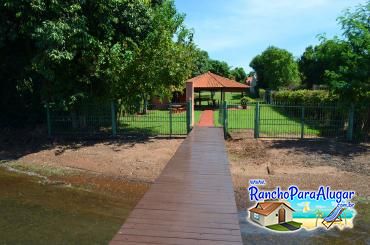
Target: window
256,216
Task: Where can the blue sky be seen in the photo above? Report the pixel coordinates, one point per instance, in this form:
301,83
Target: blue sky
237,30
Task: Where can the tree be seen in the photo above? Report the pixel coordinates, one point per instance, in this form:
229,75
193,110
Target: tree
238,74
202,62
70,51
315,61
159,64
220,68
276,68
351,79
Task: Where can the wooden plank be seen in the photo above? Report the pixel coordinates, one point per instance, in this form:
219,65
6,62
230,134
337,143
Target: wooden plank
192,202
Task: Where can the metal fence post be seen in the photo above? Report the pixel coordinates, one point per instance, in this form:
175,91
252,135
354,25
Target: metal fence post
170,120
48,119
257,121
302,123
188,116
350,123
145,106
114,120
225,119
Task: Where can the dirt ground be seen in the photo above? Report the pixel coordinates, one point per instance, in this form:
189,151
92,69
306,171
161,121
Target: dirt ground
307,164
139,160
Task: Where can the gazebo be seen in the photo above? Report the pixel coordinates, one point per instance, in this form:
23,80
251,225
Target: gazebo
211,82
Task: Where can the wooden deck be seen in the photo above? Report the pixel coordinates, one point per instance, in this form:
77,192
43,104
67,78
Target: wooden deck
192,202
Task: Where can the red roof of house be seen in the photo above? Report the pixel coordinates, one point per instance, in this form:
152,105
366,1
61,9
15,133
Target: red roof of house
210,81
266,208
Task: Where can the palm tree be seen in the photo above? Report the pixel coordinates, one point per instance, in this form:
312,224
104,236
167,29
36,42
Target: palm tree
319,214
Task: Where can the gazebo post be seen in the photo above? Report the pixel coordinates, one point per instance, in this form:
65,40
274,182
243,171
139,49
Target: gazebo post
190,98
199,99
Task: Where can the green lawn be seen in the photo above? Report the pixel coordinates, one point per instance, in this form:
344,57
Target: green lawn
231,97
154,122
197,116
275,121
279,227
272,122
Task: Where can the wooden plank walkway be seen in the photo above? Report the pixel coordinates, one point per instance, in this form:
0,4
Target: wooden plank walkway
192,202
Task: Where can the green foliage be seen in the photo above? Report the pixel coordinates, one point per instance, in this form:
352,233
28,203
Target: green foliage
262,93
276,69
238,74
315,61
343,65
202,62
69,51
245,100
351,80
220,68
304,97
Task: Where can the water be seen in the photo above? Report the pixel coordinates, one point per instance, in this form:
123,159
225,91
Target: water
35,212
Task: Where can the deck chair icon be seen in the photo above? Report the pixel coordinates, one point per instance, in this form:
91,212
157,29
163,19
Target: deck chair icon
334,216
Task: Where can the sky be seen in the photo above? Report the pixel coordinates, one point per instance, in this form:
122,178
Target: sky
236,31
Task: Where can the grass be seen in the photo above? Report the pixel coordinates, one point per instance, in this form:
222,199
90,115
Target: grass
275,121
272,122
154,122
231,97
277,227
197,116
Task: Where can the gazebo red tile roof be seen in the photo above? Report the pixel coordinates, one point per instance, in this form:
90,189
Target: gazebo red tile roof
210,81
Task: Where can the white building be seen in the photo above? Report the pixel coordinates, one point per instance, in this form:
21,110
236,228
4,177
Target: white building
271,213
252,83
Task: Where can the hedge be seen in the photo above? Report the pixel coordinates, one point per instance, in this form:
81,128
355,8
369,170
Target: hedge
304,97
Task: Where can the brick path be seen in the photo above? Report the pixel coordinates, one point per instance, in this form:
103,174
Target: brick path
206,119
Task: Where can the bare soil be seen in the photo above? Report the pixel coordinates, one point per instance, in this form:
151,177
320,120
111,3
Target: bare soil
307,164
132,159
138,161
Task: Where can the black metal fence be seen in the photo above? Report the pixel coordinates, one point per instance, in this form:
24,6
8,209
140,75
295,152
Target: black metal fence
106,119
261,120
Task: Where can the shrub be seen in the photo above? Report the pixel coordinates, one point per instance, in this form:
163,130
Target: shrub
245,100
262,93
304,97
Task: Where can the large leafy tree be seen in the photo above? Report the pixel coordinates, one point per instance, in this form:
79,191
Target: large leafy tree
315,61
202,62
220,68
351,79
276,68
159,64
238,74
68,51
